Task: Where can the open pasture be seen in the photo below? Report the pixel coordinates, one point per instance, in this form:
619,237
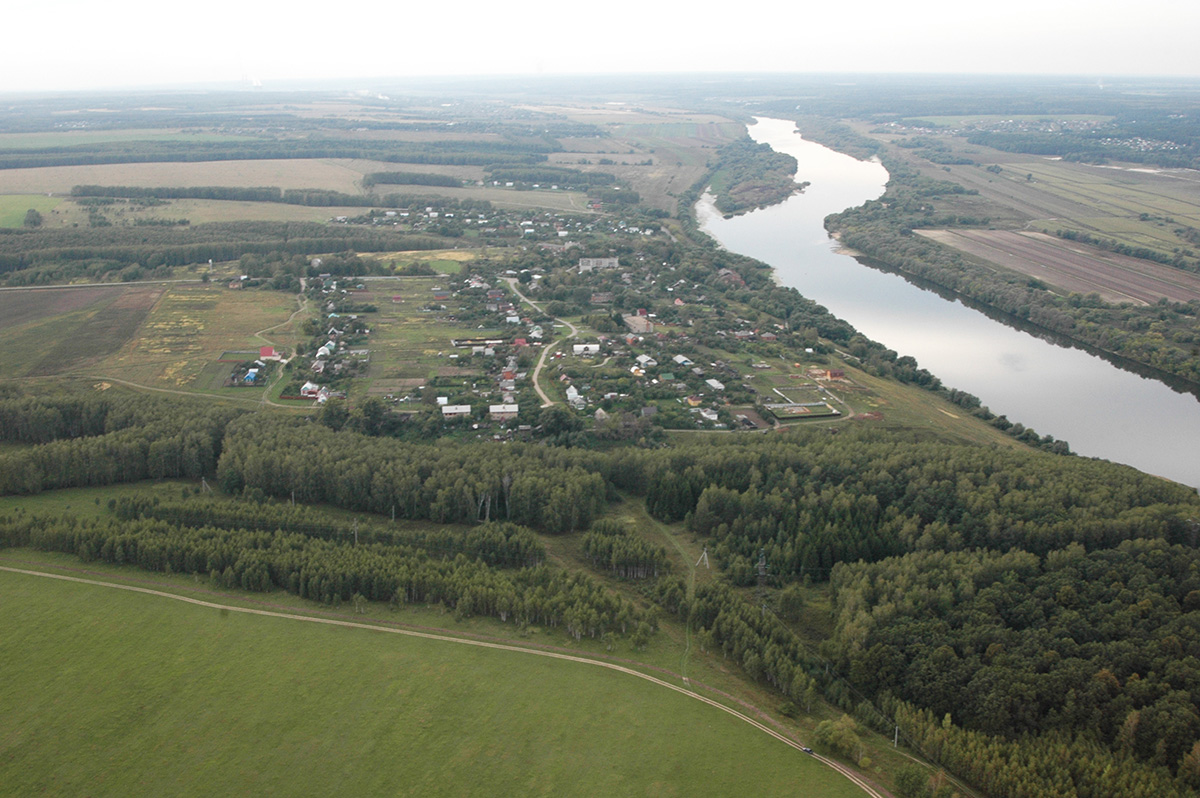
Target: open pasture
13,207
193,326
118,693
56,330
1075,267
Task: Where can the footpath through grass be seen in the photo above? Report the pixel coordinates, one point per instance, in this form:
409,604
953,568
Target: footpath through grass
115,693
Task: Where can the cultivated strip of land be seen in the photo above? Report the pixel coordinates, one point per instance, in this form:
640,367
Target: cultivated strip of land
1075,267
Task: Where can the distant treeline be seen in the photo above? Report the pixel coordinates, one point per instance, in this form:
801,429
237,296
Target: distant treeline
1118,144
151,247
455,153
562,176
318,197
410,179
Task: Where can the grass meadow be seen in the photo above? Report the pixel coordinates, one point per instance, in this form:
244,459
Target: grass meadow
116,693
13,207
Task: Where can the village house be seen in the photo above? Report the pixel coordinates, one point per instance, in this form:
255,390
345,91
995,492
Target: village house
588,264
504,412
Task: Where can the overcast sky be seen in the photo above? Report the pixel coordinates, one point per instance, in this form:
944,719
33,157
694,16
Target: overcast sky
72,44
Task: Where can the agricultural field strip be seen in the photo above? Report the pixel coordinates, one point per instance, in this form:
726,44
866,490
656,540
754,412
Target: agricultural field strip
1119,200
1073,267
847,772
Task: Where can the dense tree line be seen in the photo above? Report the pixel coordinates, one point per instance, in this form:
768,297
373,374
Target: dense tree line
339,571
410,179
815,500
609,545
496,543
1014,645
457,153
1179,145
533,486
1145,253
172,445
176,246
313,197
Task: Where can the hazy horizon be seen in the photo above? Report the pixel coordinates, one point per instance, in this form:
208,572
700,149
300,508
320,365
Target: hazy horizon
131,44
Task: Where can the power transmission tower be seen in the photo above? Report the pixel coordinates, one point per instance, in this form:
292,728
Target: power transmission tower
703,558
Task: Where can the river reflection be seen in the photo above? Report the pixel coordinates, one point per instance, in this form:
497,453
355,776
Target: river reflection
1101,410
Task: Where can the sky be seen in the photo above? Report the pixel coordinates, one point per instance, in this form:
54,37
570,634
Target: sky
69,45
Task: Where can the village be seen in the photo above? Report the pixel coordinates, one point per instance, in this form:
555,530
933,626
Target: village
624,344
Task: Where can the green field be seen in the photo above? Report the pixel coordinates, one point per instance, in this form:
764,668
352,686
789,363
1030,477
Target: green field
108,692
13,207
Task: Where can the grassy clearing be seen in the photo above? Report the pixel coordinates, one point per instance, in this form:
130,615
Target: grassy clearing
408,341
14,207
200,212
179,699
443,261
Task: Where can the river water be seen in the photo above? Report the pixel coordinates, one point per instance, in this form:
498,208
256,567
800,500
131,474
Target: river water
1100,409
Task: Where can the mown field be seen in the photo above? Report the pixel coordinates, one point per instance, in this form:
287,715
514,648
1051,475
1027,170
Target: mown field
116,693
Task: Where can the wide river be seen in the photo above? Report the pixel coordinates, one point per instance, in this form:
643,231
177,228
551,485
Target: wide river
1100,409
